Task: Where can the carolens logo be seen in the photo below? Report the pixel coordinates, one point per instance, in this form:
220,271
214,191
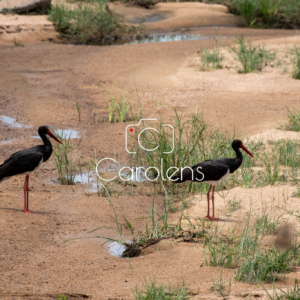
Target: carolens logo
134,171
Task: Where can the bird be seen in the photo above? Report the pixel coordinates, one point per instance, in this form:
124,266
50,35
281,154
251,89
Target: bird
212,171
28,160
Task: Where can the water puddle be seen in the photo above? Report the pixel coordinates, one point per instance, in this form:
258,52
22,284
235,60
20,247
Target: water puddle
63,133
88,180
156,38
12,122
5,142
67,133
138,175
117,249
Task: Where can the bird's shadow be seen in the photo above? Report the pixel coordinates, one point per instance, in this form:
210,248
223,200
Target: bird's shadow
34,212
222,220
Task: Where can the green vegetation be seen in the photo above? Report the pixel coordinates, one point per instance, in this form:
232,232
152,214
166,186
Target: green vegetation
18,44
211,58
267,13
66,162
265,265
268,225
156,229
255,13
78,110
296,62
293,123
160,292
88,23
219,287
251,57
246,252
119,108
62,297
234,204
292,293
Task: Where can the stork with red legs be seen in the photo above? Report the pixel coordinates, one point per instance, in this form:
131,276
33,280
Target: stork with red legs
28,160
212,171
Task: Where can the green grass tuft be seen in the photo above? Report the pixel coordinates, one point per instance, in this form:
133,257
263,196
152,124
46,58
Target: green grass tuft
251,57
160,292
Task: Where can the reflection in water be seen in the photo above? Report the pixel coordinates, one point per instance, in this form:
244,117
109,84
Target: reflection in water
88,180
168,38
138,175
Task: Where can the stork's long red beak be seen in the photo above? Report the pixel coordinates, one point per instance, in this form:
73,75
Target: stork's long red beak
246,150
53,136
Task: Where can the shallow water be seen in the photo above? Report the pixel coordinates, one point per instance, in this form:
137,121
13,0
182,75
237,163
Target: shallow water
67,133
12,122
87,179
64,133
156,38
137,176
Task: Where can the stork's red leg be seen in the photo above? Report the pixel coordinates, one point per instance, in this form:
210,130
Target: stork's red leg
25,194
26,198
213,205
208,216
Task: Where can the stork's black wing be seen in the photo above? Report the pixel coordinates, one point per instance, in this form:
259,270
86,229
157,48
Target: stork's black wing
21,162
209,170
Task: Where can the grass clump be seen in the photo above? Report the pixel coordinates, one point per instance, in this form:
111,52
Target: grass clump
267,13
65,161
296,62
234,204
88,23
251,57
293,123
119,108
288,152
211,59
160,292
267,225
265,265
245,250
219,287
292,293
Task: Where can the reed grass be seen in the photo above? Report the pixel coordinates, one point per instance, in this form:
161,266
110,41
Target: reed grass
66,160
153,291
252,58
211,58
120,109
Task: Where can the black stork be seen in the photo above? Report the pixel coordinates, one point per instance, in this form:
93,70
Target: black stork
212,171
28,160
